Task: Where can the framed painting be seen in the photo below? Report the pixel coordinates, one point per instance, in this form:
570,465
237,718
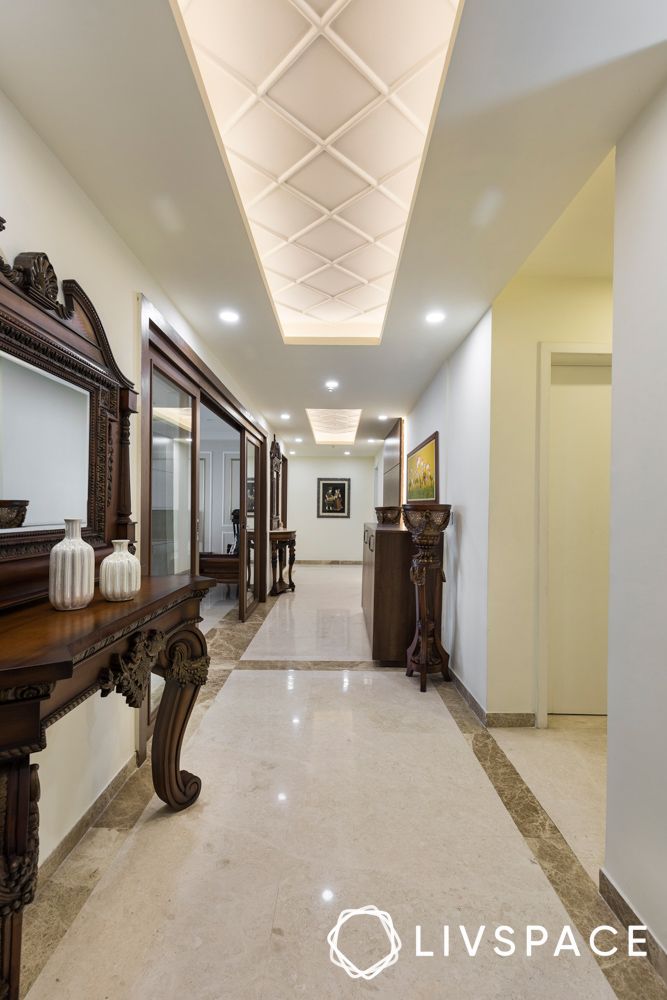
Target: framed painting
333,497
423,471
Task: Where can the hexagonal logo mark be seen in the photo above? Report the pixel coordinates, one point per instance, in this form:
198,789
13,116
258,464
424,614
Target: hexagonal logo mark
340,959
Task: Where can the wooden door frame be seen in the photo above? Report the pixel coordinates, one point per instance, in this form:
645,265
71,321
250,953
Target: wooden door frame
577,353
160,340
248,438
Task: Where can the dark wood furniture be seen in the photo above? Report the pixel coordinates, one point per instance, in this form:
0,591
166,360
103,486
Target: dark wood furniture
50,662
223,568
66,339
276,460
426,523
387,593
282,542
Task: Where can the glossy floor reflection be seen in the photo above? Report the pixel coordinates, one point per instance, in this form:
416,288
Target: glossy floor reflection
321,791
321,620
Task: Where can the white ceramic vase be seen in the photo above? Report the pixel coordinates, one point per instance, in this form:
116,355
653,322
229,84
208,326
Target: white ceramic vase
71,569
120,573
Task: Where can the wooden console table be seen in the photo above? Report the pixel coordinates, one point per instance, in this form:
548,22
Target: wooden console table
282,540
50,662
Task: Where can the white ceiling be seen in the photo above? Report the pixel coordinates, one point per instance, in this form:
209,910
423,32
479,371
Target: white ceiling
536,95
323,110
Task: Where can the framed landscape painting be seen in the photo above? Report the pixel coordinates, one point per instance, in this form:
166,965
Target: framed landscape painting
423,478
333,497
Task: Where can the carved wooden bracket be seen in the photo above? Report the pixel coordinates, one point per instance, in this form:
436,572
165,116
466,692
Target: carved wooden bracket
26,692
18,872
129,673
184,668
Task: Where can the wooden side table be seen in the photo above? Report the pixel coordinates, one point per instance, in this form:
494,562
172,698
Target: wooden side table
282,542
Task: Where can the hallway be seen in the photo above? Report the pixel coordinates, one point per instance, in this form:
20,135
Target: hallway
322,790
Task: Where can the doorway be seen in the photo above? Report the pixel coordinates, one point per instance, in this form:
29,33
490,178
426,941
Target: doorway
574,445
579,478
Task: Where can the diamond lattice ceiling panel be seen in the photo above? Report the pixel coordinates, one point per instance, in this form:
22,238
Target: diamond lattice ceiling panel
323,108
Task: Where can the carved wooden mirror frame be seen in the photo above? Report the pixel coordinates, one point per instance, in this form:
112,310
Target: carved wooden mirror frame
67,339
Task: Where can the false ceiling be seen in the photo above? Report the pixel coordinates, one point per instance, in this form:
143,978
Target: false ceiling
536,95
324,109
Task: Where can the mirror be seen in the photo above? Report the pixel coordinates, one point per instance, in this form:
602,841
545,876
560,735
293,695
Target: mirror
171,478
44,448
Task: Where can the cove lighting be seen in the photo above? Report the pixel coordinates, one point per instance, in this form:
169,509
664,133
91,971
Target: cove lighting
331,384
284,416
229,316
435,316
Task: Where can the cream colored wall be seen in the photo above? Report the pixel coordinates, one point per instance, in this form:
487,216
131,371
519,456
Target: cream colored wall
46,210
528,311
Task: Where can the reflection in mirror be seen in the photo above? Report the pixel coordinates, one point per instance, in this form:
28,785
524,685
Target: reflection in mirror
44,448
251,465
171,478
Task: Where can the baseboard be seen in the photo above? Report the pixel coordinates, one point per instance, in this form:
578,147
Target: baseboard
89,818
497,720
329,562
616,902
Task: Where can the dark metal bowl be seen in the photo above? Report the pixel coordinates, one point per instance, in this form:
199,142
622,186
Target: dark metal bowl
12,513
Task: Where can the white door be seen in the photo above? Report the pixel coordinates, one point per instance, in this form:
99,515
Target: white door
579,472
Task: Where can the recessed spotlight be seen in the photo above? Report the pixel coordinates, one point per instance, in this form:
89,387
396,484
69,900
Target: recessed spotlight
299,440
292,453
327,895
282,797
435,316
229,316
331,384
383,416
346,453
284,416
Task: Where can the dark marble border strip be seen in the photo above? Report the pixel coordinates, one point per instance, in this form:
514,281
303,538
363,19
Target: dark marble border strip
630,978
616,900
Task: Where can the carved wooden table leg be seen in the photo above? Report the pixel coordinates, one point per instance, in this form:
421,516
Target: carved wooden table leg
19,849
292,559
274,567
185,670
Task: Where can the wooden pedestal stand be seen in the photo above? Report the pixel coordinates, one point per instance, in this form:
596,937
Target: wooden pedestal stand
426,523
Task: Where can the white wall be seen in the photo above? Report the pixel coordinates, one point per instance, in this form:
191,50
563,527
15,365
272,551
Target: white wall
46,210
329,538
636,857
457,405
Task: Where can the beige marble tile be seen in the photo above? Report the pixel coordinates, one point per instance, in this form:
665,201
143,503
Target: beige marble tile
350,783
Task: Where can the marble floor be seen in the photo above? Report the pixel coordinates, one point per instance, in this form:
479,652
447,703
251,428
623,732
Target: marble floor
321,620
566,768
218,603
321,791
328,783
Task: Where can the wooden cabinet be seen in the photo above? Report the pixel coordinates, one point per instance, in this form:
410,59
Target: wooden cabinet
387,593
388,597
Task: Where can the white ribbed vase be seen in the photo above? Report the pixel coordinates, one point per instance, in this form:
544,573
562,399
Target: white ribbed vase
120,573
71,569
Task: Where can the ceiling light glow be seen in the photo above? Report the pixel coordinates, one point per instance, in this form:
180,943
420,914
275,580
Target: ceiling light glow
299,440
383,416
371,440
292,453
284,416
346,453
435,316
229,316
331,384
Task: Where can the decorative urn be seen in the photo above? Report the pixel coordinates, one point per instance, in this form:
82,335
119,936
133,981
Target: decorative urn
71,569
388,515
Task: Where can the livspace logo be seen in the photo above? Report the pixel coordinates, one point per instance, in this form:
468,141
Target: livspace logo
504,941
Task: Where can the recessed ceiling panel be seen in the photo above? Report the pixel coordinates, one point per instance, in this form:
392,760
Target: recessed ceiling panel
334,426
324,109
